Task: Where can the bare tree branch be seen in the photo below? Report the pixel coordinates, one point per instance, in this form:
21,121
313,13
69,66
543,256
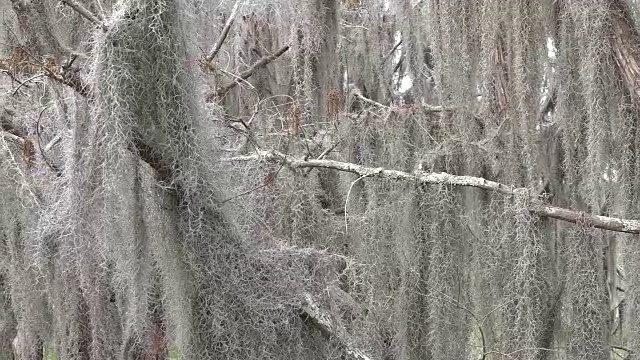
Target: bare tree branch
355,92
264,61
86,13
393,49
536,205
13,138
426,108
223,35
52,143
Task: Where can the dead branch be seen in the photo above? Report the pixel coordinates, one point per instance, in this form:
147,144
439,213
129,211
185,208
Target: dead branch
86,14
264,61
426,108
393,49
355,92
13,138
501,80
223,35
536,205
52,143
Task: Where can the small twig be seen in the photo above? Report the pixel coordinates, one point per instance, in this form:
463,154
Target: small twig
620,348
38,132
548,103
427,108
86,14
12,76
496,308
223,35
448,299
328,150
616,353
357,93
70,77
619,271
398,65
66,66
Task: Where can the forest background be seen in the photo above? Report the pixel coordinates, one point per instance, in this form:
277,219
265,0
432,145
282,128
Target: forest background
320,179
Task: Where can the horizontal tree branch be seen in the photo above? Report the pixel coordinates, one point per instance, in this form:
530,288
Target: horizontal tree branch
536,205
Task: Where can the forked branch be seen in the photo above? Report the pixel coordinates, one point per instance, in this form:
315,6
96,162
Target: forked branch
536,205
